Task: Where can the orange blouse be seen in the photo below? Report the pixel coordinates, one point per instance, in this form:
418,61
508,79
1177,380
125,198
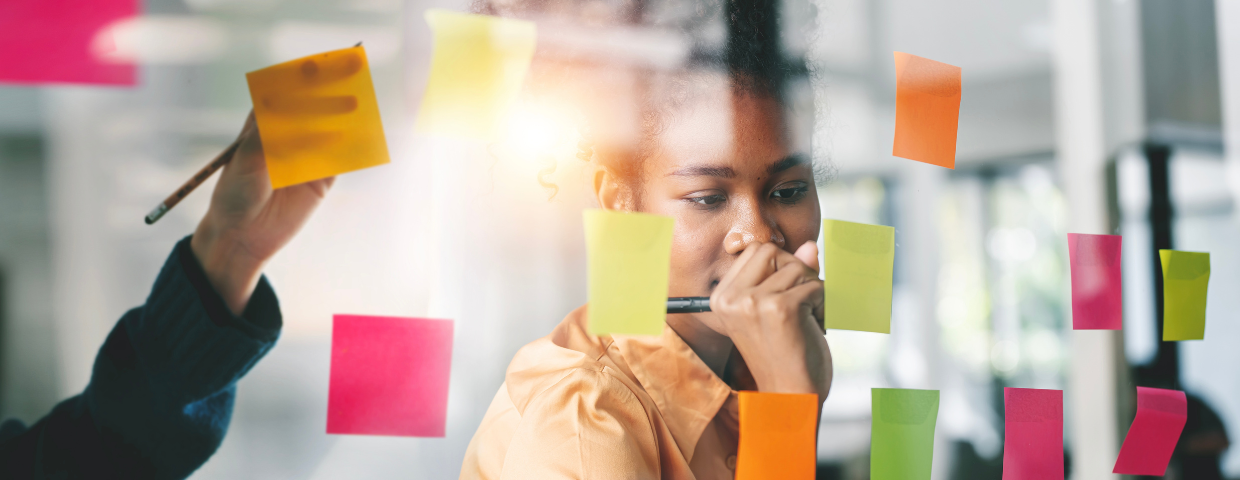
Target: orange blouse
578,406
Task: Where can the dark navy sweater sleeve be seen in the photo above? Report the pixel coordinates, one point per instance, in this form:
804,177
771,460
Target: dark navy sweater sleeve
161,393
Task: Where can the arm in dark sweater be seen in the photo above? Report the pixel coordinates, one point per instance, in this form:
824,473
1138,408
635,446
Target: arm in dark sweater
161,393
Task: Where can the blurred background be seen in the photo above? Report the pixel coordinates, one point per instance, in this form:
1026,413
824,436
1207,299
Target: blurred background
1087,116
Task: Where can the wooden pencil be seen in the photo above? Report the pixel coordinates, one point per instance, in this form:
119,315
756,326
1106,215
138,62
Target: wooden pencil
189,186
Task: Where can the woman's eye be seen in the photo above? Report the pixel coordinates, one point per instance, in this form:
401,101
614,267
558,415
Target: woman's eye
789,195
707,200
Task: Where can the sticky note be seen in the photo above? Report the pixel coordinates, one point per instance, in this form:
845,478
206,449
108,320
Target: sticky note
1161,415
1033,434
389,376
477,68
902,433
778,435
927,110
1097,283
318,116
858,261
1185,278
62,41
629,255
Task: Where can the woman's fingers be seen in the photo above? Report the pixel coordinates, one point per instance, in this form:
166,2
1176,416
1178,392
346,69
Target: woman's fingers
759,265
808,254
808,294
786,277
726,281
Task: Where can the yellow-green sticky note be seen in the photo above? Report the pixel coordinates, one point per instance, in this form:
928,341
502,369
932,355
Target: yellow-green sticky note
629,255
477,67
318,116
1185,277
858,260
902,433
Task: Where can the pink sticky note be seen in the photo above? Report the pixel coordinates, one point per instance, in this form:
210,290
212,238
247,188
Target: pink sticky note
61,41
1097,286
389,376
1033,434
1151,439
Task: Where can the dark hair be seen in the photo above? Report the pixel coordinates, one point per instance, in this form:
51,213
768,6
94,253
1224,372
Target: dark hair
751,55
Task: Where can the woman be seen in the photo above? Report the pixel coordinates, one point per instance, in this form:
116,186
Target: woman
714,153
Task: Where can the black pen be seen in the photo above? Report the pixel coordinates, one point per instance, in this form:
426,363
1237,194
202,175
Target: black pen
688,304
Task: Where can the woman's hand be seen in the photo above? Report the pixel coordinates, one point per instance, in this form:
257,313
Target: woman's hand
248,222
770,304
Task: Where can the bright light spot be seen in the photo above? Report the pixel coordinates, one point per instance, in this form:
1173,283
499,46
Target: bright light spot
161,39
1004,357
536,131
952,310
1011,244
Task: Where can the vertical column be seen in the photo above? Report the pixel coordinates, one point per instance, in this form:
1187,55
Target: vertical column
1081,150
1227,14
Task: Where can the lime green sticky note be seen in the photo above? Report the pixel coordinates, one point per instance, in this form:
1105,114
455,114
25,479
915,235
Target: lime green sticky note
858,260
1185,277
477,67
902,433
629,255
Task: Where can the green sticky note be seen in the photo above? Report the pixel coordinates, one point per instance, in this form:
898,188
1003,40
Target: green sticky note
477,68
902,433
629,255
858,260
1185,277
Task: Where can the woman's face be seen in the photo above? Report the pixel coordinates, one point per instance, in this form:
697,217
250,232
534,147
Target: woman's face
724,171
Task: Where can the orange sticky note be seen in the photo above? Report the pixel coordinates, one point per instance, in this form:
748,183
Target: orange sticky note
318,116
777,436
927,110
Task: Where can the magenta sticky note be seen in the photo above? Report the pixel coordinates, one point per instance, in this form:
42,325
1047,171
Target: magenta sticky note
1033,434
1097,287
389,376
1156,429
61,41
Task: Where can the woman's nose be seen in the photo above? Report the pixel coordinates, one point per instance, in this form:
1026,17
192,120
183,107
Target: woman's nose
751,226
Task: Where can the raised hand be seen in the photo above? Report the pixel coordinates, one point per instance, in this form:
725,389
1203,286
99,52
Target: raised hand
770,305
248,222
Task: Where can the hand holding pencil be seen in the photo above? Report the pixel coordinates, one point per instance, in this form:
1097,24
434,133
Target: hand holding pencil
248,221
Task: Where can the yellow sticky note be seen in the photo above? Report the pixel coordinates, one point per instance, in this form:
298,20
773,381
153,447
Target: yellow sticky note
1185,278
476,72
858,260
318,116
629,255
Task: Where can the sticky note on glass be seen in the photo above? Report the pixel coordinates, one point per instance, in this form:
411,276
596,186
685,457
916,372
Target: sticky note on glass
902,433
389,376
1033,434
629,258
1161,415
1097,283
1185,278
778,436
476,72
858,260
927,110
62,41
318,116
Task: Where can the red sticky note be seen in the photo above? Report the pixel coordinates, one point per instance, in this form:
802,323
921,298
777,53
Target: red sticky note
1161,415
60,41
1033,434
927,110
777,437
389,376
1097,284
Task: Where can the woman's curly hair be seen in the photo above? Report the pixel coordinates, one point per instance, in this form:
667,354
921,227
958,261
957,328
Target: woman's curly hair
752,57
